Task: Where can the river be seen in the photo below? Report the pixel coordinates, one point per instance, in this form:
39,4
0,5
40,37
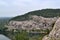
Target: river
2,37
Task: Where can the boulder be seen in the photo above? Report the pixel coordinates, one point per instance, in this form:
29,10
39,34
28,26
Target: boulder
46,38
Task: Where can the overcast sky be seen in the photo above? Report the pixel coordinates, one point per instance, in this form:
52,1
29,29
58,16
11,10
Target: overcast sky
9,8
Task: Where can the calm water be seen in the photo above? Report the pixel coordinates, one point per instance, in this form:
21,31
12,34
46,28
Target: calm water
2,37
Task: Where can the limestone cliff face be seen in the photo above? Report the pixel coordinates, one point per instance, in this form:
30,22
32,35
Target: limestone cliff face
36,22
55,33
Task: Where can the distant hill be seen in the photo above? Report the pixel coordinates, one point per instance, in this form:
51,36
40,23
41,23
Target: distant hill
43,12
3,21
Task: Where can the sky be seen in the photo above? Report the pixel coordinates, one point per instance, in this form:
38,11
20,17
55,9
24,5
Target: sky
11,8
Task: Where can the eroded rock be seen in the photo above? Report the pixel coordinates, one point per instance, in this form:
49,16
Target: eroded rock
55,33
37,22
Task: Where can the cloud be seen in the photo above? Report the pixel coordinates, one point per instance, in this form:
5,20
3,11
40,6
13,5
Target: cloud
19,7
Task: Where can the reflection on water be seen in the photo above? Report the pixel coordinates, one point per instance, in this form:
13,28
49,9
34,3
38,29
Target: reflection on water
2,37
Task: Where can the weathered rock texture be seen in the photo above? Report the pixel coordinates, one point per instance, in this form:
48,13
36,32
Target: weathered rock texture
36,22
55,33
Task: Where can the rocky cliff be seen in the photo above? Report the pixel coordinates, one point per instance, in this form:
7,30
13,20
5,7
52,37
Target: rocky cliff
35,23
55,33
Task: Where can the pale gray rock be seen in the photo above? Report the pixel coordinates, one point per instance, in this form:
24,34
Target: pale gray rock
37,22
55,33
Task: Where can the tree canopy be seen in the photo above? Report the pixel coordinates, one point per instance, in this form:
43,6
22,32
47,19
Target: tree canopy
43,12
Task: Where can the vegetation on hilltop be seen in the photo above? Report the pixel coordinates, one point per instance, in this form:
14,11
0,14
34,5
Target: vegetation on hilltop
43,12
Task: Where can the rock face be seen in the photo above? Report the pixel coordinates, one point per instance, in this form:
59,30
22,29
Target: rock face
36,22
55,33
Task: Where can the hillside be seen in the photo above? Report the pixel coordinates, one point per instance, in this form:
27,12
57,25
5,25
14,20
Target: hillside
44,12
39,21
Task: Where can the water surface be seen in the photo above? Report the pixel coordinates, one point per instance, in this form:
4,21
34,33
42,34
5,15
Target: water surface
2,37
